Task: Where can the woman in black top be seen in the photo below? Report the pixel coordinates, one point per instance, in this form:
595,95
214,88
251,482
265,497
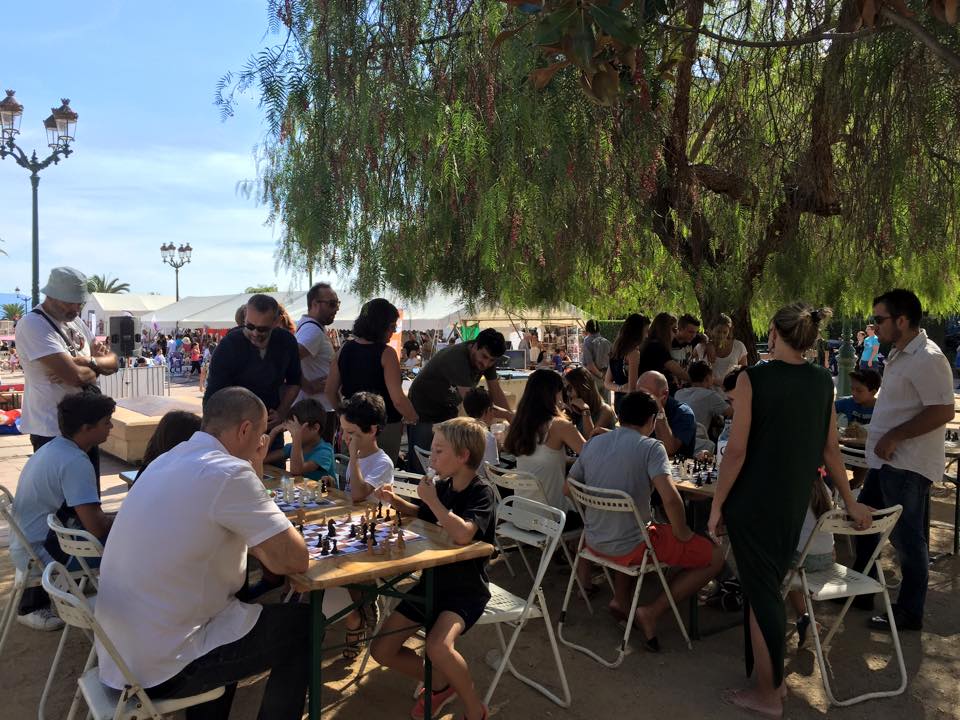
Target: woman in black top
622,372
367,363
655,351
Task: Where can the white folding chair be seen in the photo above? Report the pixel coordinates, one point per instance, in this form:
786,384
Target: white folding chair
104,703
605,500
82,546
423,456
839,581
528,485
22,579
542,528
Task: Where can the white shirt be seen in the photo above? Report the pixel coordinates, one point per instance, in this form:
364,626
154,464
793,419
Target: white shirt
822,541
37,339
316,365
176,556
916,377
492,452
375,469
723,365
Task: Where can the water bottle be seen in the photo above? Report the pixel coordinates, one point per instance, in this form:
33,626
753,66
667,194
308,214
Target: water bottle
288,489
722,440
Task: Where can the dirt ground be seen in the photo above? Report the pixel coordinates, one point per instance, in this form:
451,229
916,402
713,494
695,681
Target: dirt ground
678,683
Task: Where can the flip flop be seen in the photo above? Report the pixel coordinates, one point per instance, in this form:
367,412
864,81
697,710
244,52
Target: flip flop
730,697
649,644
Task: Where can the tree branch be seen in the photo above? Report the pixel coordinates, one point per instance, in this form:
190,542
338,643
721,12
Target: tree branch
722,182
921,33
795,42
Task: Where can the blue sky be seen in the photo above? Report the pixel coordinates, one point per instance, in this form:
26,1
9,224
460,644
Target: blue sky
153,162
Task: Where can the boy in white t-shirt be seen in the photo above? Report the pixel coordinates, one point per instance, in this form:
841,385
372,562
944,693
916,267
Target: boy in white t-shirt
362,417
478,404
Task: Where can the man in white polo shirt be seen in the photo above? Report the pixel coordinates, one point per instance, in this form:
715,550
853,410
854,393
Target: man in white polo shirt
316,350
176,557
905,450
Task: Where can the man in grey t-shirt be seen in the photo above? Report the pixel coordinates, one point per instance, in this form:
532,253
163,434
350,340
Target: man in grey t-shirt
628,459
596,356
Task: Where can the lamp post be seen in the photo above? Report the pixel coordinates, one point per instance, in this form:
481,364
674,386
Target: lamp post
177,261
846,360
61,128
27,307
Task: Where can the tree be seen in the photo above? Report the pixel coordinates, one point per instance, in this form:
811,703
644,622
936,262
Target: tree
261,289
615,155
13,311
104,284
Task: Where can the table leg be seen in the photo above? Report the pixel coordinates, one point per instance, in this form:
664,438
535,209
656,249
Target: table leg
318,626
427,665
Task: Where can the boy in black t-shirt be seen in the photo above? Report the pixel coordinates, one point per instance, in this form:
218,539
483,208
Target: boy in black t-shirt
462,504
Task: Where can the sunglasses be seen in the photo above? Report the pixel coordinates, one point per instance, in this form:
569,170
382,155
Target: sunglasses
880,319
259,329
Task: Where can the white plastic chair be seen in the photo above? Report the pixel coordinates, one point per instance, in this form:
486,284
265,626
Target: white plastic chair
853,457
82,546
22,579
527,484
606,500
423,456
839,581
104,703
542,528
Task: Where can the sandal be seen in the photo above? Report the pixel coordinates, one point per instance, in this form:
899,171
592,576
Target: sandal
354,642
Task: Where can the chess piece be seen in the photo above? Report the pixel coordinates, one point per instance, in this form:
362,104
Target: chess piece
373,533
379,509
698,481
325,547
353,530
334,549
401,541
301,519
370,544
331,528
388,513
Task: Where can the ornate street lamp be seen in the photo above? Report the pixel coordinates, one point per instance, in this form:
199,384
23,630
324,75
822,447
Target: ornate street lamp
61,129
177,261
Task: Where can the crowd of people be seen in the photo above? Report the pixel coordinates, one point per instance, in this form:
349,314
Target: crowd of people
677,392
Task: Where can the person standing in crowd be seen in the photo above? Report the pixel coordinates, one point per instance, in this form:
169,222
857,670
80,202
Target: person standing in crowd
858,348
871,348
595,356
784,419
624,363
655,351
316,350
723,351
366,363
59,478
59,356
905,450
438,390
688,327
261,357
174,615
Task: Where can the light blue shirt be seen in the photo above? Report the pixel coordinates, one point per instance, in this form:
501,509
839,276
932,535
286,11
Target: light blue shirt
58,474
322,455
869,343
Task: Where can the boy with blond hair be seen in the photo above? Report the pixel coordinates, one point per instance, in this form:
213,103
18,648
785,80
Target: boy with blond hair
463,504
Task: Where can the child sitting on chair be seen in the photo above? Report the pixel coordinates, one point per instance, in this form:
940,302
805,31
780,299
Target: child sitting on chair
311,452
361,419
858,405
463,504
478,404
820,556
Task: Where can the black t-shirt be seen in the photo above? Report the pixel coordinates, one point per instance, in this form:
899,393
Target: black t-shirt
361,369
237,362
654,356
475,503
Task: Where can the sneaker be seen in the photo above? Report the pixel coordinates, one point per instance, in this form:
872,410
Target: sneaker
904,621
438,700
44,619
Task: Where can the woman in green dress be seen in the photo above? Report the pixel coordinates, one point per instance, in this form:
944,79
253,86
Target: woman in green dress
784,428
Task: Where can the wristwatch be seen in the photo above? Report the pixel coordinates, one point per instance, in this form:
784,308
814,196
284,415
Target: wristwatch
94,365
661,416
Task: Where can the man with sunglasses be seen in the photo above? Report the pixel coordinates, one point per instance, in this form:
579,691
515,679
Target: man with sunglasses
316,350
905,450
261,357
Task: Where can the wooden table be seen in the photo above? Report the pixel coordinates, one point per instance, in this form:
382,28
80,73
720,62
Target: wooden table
378,575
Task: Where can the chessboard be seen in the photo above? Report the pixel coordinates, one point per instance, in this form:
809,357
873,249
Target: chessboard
695,472
348,535
292,507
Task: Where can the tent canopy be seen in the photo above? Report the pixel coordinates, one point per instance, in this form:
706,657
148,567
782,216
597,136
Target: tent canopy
500,318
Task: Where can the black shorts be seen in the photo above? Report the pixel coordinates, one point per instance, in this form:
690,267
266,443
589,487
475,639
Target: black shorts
468,607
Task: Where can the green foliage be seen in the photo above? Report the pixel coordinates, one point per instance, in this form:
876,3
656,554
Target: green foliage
104,284
261,288
409,146
13,311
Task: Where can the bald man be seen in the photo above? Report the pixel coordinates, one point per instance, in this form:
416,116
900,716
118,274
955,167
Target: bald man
676,425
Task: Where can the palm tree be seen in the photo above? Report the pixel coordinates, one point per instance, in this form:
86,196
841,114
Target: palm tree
103,284
13,311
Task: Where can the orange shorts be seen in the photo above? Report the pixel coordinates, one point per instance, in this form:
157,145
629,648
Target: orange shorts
697,552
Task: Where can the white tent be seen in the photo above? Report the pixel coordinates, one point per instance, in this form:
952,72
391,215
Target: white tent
503,319
100,307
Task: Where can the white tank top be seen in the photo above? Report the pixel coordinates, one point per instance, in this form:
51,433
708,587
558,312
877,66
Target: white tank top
550,468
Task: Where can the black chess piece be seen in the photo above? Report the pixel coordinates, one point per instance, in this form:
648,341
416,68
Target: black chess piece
379,509
373,533
698,481
331,528
353,530
325,547
334,549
